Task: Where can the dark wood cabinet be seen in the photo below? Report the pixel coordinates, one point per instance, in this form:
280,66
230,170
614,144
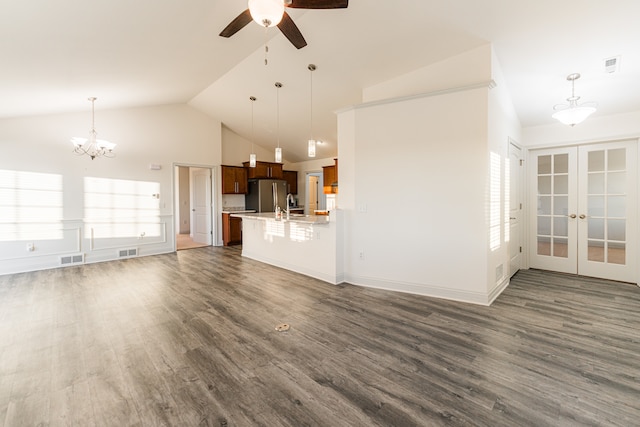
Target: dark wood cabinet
234,180
264,170
292,181
330,178
231,230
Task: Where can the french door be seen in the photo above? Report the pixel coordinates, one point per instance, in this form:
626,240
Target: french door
584,211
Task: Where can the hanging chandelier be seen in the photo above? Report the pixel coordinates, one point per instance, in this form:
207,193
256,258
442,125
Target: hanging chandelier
92,146
573,113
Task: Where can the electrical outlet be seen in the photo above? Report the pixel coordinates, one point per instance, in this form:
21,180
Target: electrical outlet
361,255
30,247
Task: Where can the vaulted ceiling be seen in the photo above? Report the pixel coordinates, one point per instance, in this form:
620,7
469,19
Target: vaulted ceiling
57,53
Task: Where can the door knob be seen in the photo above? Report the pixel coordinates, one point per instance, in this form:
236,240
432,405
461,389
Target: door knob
583,216
573,216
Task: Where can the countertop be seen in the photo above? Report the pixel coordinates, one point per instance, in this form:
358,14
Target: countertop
307,219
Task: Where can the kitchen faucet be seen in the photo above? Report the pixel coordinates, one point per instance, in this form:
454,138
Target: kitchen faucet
289,204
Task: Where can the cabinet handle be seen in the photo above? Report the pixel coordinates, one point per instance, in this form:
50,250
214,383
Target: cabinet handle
572,216
583,216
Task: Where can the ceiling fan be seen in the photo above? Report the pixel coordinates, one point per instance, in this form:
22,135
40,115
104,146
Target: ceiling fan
269,13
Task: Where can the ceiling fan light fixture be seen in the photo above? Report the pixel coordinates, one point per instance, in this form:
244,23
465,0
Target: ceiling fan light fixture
267,13
573,113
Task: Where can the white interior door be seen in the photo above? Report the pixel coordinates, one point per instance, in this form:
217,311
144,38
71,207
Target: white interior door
607,213
313,193
515,208
201,224
584,210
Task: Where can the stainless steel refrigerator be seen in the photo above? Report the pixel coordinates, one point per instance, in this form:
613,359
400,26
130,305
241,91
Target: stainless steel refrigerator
265,194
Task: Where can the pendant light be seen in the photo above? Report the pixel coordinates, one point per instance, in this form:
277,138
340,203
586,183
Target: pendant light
92,146
278,149
573,113
311,147
252,156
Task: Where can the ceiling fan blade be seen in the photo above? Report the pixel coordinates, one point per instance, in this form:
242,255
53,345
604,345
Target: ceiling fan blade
318,4
291,31
237,24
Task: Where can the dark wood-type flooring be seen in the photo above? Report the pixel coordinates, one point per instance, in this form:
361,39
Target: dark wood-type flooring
189,339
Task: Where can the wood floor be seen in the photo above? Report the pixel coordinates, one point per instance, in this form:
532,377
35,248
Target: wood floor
189,339
184,241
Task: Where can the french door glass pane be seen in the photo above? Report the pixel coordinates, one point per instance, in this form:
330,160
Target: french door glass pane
616,206
553,205
560,247
616,230
561,205
596,183
560,226
544,185
606,206
595,251
616,253
544,165
595,206
561,163
616,182
596,228
544,245
617,159
596,161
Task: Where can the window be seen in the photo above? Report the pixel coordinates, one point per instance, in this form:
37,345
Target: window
121,208
31,206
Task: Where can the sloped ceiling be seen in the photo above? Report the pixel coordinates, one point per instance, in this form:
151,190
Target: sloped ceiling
57,53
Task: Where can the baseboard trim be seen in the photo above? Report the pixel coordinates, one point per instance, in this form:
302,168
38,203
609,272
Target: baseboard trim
422,289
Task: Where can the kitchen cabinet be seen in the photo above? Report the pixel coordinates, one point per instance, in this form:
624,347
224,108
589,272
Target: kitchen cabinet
234,180
330,178
264,170
292,181
231,230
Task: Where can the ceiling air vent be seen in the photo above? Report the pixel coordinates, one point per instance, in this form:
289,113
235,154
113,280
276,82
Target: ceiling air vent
612,65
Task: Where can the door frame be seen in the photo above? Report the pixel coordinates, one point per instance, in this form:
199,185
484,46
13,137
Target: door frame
216,200
523,220
529,188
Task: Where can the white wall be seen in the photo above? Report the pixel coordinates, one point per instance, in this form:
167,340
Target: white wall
236,149
161,135
465,69
503,126
415,179
415,194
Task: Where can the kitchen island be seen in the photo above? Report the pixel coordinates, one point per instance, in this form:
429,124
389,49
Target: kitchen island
306,244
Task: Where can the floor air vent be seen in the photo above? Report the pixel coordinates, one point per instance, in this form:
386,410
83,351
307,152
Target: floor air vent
72,259
127,253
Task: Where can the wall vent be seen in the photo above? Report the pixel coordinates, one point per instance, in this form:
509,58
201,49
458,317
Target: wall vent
612,65
127,253
72,259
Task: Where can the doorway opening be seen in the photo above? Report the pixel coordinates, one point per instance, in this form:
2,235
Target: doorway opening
193,206
315,198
